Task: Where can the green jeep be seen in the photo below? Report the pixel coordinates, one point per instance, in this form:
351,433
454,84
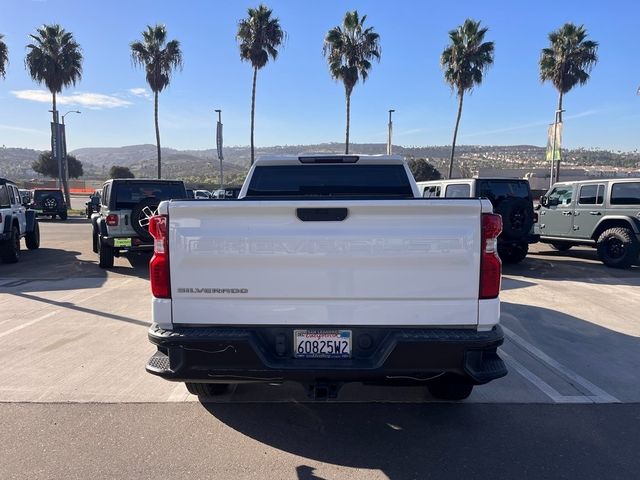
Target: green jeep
601,213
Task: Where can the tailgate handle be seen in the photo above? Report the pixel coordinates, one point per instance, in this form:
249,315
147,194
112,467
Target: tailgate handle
322,214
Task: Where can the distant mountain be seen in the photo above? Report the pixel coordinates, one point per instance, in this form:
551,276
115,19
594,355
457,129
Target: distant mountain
193,165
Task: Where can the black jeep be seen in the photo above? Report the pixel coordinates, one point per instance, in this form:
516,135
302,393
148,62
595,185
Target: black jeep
49,202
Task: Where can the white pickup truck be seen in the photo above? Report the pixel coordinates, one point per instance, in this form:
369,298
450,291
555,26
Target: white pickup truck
327,269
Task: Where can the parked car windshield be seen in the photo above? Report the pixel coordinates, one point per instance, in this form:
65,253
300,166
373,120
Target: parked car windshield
129,194
330,180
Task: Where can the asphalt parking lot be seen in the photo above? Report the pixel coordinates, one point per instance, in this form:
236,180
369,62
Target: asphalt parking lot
73,385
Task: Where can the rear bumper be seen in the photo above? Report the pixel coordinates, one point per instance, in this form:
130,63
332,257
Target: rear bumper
379,355
528,239
142,246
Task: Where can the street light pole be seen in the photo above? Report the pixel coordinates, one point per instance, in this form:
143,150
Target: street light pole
389,148
65,161
219,145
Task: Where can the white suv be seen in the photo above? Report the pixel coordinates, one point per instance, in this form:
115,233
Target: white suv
16,222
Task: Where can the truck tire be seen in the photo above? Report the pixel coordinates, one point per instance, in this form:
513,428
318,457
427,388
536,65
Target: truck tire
10,248
63,215
618,247
207,389
450,387
561,246
32,238
94,241
512,254
105,255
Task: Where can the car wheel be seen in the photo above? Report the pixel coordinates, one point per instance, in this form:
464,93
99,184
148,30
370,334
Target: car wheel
561,246
10,248
53,217
450,387
207,389
511,254
618,248
94,241
105,255
32,239
63,216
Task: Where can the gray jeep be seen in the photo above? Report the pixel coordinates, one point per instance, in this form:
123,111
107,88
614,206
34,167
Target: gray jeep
122,224
601,213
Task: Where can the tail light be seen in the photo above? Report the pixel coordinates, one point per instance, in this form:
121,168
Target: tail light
490,264
159,264
536,218
112,220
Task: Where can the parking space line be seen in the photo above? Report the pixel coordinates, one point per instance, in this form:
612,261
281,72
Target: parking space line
543,386
24,325
599,395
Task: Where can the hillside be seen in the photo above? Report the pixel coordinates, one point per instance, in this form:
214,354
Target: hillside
202,165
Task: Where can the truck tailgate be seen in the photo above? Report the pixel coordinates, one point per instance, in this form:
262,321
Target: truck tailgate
389,262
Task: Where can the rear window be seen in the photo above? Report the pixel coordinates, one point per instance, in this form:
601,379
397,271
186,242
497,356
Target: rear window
127,195
40,194
330,180
497,191
625,193
458,190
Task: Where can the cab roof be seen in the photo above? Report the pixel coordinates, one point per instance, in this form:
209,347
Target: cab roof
328,158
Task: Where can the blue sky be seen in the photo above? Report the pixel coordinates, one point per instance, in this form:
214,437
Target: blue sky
297,101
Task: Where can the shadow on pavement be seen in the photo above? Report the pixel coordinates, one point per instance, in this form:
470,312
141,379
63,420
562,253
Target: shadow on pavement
574,266
78,308
446,441
63,270
439,440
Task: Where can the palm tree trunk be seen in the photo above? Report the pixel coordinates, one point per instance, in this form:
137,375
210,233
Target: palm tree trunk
346,138
155,100
253,112
455,133
558,119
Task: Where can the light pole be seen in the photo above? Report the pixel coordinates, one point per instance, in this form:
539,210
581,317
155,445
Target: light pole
389,148
555,166
65,178
70,111
219,145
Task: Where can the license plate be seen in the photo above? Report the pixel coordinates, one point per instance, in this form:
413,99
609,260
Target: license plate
121,242
322,343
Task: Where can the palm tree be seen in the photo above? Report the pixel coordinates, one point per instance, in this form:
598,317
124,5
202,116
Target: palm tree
4,57
567,62
159,58
54,59
259,36
349,49
464,62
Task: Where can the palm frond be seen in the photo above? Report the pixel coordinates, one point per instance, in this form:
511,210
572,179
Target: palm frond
569,58
54,58
467,57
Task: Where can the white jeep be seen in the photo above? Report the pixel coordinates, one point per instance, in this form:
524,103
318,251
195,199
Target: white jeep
16,222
